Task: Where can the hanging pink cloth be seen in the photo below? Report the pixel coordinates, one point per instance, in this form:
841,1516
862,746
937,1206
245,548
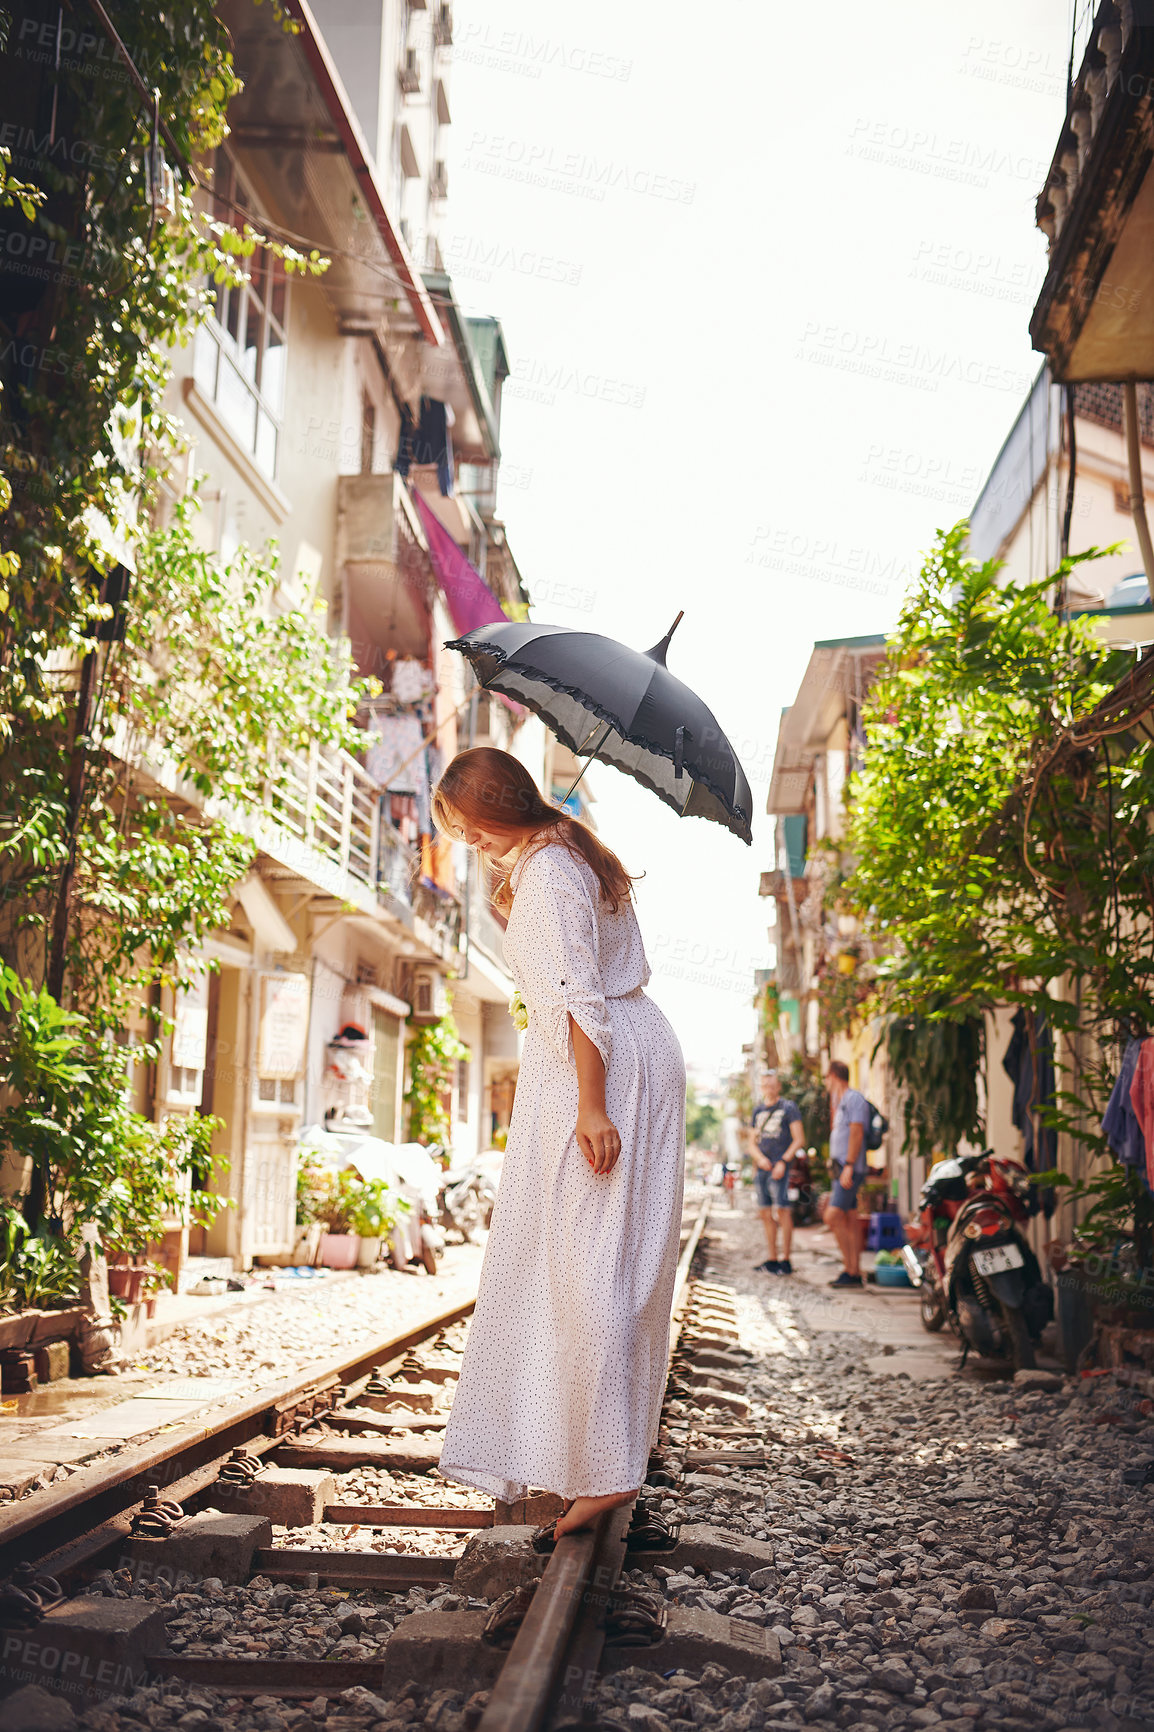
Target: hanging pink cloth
1142,1100
470,600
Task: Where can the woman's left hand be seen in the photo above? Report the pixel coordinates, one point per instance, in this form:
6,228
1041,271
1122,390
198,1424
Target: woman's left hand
597,1139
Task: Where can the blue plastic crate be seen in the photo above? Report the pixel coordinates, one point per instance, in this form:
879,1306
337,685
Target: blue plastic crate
885,1233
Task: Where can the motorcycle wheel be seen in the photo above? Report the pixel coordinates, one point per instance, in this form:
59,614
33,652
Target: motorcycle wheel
931,1307
1021,1346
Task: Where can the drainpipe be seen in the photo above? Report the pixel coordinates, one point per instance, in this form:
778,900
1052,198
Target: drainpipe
1137,497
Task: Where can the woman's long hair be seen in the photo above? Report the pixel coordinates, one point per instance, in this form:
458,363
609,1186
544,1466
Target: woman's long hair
494,791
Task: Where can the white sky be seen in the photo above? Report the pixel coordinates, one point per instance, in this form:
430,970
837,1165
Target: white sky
756,371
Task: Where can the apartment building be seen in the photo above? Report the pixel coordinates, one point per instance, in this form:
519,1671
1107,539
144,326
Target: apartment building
354,420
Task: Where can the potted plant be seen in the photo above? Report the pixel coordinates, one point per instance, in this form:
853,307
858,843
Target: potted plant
339,1244
373,1209
313,1184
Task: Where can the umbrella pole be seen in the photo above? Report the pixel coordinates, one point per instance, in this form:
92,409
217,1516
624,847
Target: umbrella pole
608,729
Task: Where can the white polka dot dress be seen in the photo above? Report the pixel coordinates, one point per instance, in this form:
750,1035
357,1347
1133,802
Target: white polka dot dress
565,1364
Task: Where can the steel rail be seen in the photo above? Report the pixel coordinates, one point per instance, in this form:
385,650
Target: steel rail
565,1625
47,1520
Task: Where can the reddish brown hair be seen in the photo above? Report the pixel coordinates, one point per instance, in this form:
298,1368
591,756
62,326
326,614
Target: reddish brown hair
494,791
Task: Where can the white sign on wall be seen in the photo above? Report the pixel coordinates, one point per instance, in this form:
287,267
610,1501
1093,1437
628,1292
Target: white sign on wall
284,1024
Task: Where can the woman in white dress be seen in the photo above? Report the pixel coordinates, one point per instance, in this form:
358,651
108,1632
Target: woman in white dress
565,1365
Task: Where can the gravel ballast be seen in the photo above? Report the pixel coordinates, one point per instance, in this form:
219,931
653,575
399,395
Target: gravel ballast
975,1562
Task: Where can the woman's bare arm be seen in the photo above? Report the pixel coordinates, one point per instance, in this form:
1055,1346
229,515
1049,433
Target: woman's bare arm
597,1136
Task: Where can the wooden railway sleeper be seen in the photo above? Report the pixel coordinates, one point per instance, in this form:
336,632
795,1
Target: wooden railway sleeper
26,1596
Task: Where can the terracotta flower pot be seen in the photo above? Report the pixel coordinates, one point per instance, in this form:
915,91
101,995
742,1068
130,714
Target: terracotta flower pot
127,1282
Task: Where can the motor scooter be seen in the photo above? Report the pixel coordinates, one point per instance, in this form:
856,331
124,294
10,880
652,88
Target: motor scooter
466,1199
974,1267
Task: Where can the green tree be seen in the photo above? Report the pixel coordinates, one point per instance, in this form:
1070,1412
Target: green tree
1002,849
118,693
702,1121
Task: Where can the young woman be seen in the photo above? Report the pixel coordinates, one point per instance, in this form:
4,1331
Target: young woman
565,1366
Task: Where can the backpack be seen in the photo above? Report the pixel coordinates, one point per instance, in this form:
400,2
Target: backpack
876,1129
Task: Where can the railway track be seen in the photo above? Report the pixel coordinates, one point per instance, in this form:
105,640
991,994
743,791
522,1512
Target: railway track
382,1410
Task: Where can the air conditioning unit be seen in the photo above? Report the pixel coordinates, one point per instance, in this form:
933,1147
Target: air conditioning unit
429,1001
439,181
409,74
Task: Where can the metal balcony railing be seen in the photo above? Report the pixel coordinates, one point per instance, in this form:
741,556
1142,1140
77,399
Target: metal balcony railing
327,800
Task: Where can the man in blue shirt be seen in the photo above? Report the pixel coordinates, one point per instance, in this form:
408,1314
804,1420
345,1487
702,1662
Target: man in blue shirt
776,1135
849,1114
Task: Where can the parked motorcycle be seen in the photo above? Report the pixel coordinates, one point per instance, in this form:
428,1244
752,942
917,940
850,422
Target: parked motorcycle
466,1199
973,1266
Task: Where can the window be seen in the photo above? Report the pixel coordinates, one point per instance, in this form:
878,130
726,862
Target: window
463,1090
273,1093
239,360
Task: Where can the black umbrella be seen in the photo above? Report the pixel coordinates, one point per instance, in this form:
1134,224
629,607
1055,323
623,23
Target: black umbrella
622,706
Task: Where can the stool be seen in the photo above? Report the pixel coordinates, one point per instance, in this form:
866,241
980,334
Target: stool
885,1233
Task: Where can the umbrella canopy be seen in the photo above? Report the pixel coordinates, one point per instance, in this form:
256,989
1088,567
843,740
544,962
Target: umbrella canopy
622,706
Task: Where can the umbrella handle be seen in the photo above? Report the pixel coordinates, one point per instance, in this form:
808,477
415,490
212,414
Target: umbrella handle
605,733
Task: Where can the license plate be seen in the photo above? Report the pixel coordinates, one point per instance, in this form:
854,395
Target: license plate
996,1258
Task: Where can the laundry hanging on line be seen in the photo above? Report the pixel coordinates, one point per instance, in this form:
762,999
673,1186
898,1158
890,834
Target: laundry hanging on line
427,441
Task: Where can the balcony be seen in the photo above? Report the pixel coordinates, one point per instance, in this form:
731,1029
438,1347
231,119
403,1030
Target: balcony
325,799
1093,317
443,26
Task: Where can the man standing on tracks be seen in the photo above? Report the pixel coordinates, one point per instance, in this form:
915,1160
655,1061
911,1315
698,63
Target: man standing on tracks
849,1114
776,1135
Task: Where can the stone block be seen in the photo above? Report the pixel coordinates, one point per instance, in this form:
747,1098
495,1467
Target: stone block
53,1360
496,1559
719,1359
528,1511
708,1395
209,1544
695,1638
503,1557
404,1398
344,1455
714,1379
18,1474
85,1649
707,1548
291,1497
432,1374
1049,1382
444,1650
31,1709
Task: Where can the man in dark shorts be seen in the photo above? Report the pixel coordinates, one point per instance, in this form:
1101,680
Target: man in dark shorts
850,1114
775,1135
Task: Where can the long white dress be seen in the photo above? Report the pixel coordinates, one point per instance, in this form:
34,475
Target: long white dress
565,1364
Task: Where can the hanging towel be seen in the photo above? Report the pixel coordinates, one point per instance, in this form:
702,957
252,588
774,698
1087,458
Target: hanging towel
1120,1124
1039,1141
398,738
403,461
